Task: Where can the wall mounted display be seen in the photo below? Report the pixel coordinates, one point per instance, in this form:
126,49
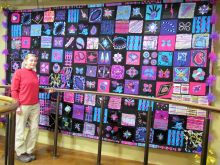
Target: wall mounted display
150,49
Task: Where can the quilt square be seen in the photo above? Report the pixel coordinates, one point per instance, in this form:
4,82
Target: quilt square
36,30
186,10
118,57
129,104
60,15
197,88
46,42
57,55
105,43
92,57
26,18
128,119
160,137
58,42
175,138
170,11
79,70
79,57
88,113
128,135
68,58
177,122
47,29
80,43
195,123
44,67
161,106
131,87
166,43
117,72
150,42
164,89
104,57
122,27
117,86
192,140
148,72
152,27
183,41
78,82
73,16
134,42
66,124
165,58
90,99
200,41
78,112
137,12
181,74
15,18
184,26
66,110
44,80
114,103
91,70
123,12
15,65
201,24
133,58
103,85
136,26
49,16
25,42
153,12
148,88
119,42
111,133
83,14
203,8
59,28
164,73
83,28
114,117
78,98
181,58
103,71
92,43
109,13
132,72
89,129
26,30
161,120
198,58
44,54
91,84
168,27
141,119
16,30
198,74
71,29
95,14
68,97
35,43
149,58
107,27
77,126
16,43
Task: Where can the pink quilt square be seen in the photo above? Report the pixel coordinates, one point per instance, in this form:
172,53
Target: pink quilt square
68,97
133,58
166,43
44,67
44,80
25,42
164,89
103,85
122,27
49,16
196,88
80,57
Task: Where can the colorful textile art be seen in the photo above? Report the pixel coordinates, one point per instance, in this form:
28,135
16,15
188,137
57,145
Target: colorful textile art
148,48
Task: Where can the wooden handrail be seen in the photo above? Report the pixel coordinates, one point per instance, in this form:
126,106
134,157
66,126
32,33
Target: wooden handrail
167,101
9,104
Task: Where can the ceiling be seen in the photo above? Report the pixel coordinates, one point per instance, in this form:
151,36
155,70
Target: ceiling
22,4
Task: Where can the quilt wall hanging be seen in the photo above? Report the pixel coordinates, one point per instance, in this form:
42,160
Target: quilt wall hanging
151,49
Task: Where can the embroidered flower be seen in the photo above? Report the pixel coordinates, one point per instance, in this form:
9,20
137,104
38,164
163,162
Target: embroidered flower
117,57
198,74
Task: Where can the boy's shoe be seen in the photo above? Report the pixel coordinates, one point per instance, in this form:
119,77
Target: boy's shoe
32,156
24,158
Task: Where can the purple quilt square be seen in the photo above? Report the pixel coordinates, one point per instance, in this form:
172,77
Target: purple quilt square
168,27
58,42
104,57
91,70
78,112
149,73
131,87
181,58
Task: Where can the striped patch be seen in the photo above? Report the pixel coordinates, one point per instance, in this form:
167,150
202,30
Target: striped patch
122,27
73,15
134,42
136,26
